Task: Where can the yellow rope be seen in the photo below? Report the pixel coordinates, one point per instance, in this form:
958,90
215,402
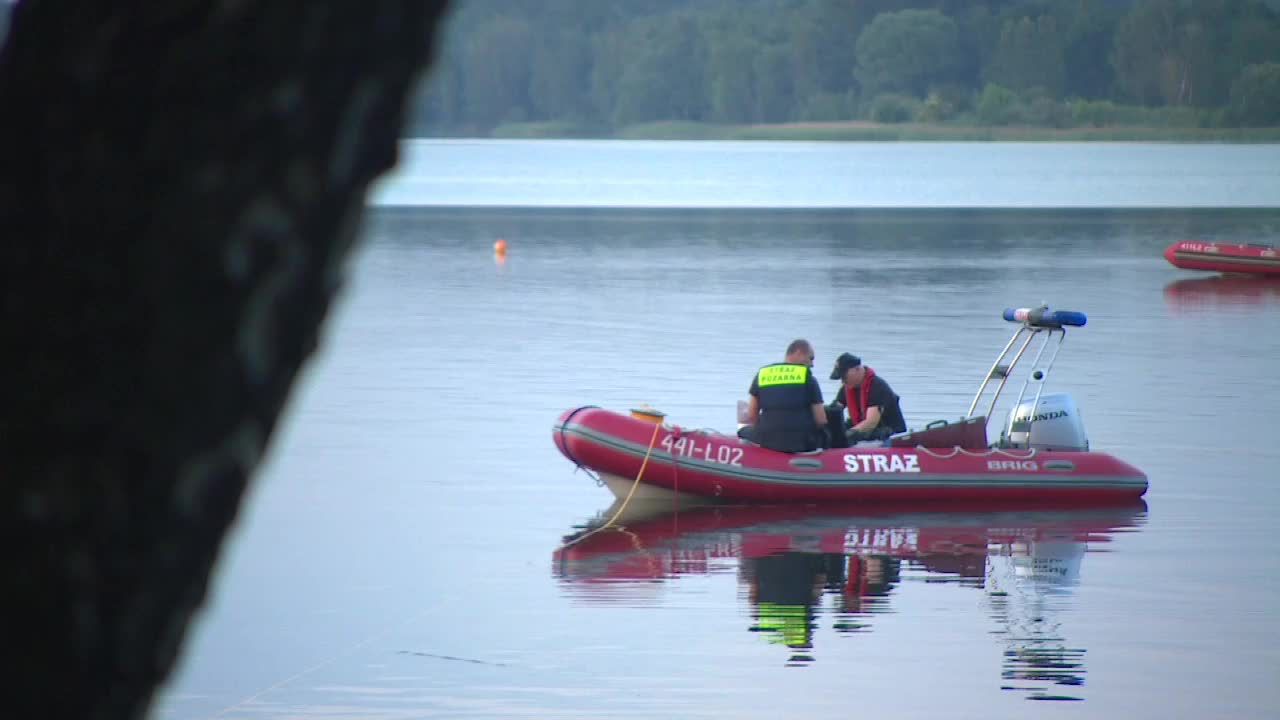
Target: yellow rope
643,464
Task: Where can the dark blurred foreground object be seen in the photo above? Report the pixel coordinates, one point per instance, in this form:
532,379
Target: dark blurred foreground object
180,183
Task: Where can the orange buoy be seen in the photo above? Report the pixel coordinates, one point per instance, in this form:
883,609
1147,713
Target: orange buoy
500,247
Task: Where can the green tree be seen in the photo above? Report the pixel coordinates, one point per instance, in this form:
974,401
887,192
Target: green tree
663,71
437,102
775,93
1089,39
560,76
610,61
732,78
1253,35
894,108
1192,79
906,52
1028,55
606,69
998,106
495,71
979,31
1255,95
821,37
1248,35
1163,54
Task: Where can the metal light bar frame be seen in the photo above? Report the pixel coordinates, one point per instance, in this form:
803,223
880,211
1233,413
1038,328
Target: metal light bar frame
1004,372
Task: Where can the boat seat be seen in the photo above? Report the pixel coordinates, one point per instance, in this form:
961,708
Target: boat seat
969,433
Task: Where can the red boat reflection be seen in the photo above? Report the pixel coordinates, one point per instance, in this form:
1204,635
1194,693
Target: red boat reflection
800,563
1222,291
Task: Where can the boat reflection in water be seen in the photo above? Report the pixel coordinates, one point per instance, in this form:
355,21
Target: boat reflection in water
1218,291
798,563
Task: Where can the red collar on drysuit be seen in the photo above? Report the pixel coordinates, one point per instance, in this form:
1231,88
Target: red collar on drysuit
856,398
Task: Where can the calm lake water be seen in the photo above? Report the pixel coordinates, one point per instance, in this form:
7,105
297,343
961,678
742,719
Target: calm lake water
603,173
401,554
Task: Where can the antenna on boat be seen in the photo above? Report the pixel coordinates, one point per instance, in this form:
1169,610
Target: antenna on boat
1034,322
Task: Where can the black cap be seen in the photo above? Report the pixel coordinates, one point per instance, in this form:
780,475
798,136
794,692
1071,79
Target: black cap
843,364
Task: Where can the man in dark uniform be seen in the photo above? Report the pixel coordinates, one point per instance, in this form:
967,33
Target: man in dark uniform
874,410
786,411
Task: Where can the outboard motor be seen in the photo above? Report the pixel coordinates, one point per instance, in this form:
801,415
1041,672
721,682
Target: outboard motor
1055,425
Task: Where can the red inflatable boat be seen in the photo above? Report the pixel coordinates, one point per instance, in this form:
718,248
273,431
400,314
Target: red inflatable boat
1042,453
1222,257
711,465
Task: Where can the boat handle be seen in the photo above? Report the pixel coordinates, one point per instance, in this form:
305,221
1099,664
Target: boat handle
806,463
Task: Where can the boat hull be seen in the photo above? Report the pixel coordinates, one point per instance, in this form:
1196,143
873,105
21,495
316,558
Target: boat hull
710,465
1223,257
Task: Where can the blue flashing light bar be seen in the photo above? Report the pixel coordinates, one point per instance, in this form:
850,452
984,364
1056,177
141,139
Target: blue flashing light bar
1044,317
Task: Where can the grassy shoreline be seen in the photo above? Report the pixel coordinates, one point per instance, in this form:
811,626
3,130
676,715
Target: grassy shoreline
858,131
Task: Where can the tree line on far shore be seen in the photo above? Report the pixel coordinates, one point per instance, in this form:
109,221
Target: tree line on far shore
598,65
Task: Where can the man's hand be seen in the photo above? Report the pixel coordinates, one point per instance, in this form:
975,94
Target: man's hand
871,420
